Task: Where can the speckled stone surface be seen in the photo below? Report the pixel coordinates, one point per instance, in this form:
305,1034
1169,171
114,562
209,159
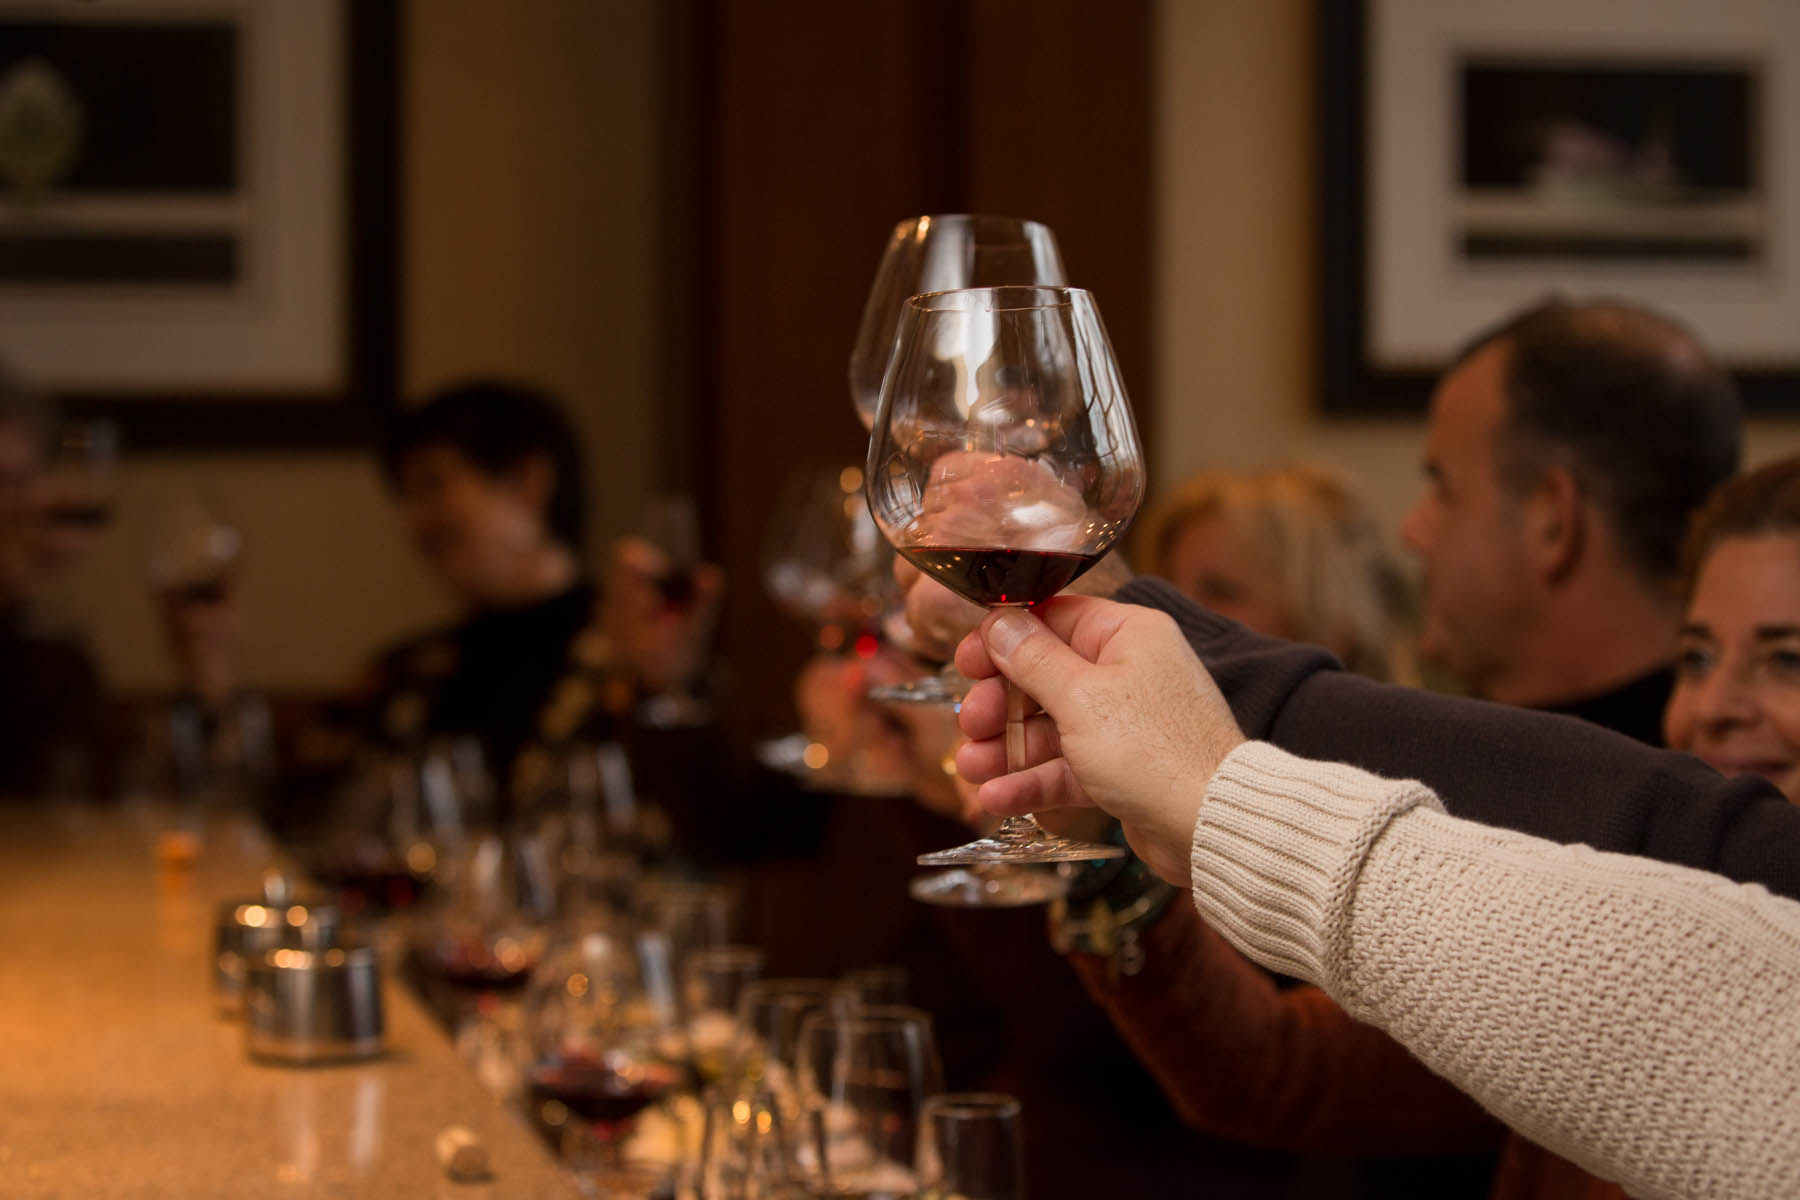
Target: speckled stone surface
118,1079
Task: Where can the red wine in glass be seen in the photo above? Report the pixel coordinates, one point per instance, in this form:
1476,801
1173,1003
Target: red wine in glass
991,575
598,1091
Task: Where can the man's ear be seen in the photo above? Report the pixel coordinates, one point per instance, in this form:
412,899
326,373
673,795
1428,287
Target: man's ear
1554,522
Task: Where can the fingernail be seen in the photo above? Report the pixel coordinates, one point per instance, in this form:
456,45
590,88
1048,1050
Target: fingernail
1009,627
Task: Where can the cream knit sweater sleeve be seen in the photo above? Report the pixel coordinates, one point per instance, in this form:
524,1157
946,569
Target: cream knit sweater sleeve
1640,1019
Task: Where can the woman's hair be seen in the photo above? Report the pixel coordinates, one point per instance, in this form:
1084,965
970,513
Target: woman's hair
1303,528
1766,500
497,425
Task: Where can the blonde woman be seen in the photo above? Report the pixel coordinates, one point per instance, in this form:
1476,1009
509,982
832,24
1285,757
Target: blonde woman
1290,551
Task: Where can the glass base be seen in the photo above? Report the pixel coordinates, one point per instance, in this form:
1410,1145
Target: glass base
932,689
795,754
988,887
1026,843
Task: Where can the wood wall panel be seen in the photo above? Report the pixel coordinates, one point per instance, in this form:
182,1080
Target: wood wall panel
820,125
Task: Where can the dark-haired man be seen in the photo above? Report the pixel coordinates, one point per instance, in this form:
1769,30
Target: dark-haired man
489,479
1567,449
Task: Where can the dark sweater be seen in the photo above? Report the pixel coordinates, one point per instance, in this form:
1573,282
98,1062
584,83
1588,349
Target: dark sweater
1540,773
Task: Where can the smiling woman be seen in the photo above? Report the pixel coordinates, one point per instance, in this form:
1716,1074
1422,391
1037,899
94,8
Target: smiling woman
1736,701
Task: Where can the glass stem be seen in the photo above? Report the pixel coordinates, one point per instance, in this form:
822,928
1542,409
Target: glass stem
1017,829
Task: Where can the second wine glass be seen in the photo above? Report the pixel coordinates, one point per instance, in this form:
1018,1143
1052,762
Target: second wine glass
1004,462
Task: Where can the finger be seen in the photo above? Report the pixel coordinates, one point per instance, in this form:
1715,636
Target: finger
1032,655
983,710
986,759
1087,623
972,658
1046,786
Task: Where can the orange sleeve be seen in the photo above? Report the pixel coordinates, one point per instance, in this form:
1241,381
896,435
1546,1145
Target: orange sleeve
1280,1068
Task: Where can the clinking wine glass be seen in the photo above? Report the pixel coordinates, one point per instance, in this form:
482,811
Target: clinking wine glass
1005,462
936,254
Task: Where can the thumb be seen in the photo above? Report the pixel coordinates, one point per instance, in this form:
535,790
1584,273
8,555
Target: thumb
1029,654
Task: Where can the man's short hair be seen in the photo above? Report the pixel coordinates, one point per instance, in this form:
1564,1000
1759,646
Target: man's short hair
497,425
1631,403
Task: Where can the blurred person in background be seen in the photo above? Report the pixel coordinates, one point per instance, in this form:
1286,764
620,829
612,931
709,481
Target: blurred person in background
1291,551
490,483
52,711
1566,451
215,738
1736,702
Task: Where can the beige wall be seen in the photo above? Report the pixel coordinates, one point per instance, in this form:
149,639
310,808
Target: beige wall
529,178
1236,308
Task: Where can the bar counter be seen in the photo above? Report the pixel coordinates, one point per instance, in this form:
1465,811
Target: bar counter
117,1078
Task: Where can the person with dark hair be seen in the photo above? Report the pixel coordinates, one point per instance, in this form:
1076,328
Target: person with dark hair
52,714
489,479
1567,449
1736,702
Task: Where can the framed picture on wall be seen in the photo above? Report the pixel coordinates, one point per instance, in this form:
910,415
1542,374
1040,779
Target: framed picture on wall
1479,157
197,215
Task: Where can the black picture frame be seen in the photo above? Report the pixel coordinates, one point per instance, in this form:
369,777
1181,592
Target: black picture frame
1350,386
175,421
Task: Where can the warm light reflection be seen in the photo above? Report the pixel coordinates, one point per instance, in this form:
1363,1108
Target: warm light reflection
815,755
850,479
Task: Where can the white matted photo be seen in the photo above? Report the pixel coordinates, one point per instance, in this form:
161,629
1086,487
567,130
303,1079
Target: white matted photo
1644,149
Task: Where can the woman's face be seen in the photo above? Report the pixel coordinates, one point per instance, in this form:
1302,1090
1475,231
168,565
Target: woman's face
1736,702
476,531
1208,560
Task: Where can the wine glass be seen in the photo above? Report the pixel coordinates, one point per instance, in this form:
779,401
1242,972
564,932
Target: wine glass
770,1014
863,1077
936,254
604,1041
1004,463
713,983
744,1149
971,1145
826,565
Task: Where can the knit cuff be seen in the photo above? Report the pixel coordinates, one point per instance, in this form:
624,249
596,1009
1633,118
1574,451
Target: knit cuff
1277,849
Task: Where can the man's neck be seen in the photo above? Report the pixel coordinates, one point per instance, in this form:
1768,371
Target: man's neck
1587,644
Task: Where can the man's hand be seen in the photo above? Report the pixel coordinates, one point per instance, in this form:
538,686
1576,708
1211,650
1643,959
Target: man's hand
661,646
1131,721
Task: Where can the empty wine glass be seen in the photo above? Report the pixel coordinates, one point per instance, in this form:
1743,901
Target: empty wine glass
971,1146
745,1152
713,983
826,565
939,253
863,1078
1004,463
770,1014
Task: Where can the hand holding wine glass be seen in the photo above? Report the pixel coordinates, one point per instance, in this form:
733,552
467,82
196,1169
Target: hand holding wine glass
1004,462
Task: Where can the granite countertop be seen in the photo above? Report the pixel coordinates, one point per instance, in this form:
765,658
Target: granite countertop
117,1078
